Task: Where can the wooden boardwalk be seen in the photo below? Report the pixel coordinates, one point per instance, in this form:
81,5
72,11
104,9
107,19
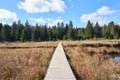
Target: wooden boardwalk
59,68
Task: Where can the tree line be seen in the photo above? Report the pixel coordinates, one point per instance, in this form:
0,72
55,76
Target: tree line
26,32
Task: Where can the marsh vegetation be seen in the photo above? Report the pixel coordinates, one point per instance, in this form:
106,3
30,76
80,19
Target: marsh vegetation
89,59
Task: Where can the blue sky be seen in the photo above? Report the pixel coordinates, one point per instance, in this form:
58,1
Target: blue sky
53,11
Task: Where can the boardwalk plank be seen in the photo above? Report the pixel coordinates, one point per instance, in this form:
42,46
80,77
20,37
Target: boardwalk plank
59,68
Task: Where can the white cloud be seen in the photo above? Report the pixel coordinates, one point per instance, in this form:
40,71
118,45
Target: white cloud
39,6
105,11
5,15
52,22
3,22
37,20
48,21
98,16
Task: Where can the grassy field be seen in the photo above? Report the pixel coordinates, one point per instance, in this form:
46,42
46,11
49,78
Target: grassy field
90,60
94,62
25,61
28,45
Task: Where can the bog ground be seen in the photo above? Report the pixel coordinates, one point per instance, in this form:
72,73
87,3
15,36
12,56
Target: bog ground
30,60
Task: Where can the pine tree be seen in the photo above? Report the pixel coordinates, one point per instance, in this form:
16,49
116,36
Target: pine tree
1,26
70,31
13,32
19,29
35,34
97,31
50,33
65,30
80,33
23,36
89,32
28,31
45,36
111,28
5,33
59,33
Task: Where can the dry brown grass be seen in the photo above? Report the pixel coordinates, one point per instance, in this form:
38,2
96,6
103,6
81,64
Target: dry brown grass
95,43
25,63
29,61
55,43
29,44
97,66
102,50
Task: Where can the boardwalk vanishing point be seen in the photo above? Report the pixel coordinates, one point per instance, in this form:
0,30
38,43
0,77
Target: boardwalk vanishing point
59,68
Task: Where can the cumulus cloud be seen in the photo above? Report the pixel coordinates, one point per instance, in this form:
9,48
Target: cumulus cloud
39,6
98,16
5,14
105,11
48,21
